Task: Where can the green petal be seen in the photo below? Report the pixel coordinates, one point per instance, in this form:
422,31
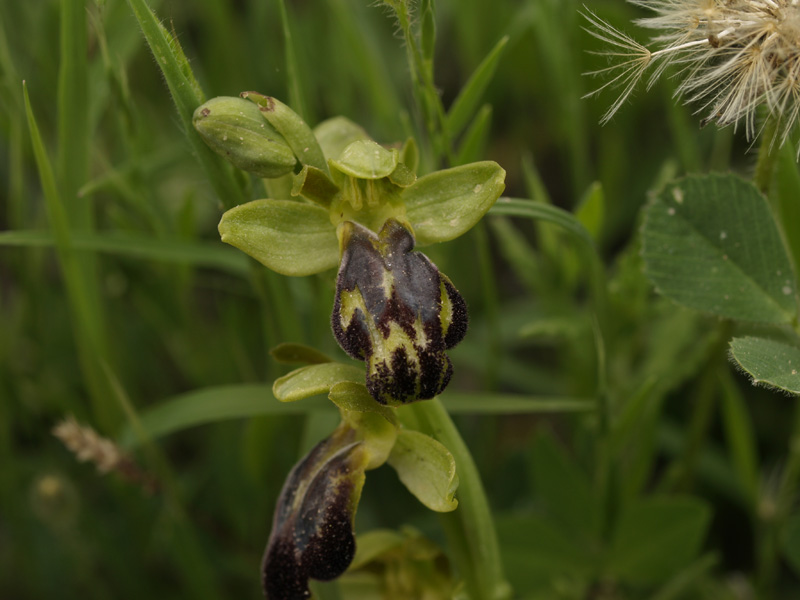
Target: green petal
314,379
291,238
334,135
427,469
446,204
365,159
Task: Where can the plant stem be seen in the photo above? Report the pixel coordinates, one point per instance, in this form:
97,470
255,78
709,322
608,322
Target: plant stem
469,528
775,514
767,157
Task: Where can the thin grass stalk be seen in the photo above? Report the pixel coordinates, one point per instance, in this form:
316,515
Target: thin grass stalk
296,97
87,333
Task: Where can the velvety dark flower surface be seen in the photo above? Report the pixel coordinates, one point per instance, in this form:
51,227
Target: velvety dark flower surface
312,532
396,311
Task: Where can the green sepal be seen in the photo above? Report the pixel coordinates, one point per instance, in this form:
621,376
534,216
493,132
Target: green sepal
447,203
235,129
314,379
313,184
292,127
293,354
427,469
365,159
335,134
292,238
353,397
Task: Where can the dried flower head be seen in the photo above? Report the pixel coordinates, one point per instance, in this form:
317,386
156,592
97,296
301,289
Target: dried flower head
733,56
90,446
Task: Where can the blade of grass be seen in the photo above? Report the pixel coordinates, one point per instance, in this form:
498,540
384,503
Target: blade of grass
187,96
72,164
199,254
296,97
87,333
537,210
239,401
475,138
469,97
9,95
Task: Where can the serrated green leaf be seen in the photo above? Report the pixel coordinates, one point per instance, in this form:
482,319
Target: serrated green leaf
292,238
711,243
470,95
656,537
446,204
770,363
314,379
427,469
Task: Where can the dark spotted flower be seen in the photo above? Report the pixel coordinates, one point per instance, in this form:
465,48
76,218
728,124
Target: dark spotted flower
312,532
396,311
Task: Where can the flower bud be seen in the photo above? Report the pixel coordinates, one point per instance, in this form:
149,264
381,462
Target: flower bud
396,311
235,129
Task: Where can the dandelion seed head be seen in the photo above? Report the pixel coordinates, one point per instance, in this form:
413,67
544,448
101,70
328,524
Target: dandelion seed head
731,57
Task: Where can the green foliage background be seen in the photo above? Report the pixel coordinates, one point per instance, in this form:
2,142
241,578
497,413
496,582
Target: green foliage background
642,467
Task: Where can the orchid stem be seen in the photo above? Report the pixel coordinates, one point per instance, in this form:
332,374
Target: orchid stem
470,528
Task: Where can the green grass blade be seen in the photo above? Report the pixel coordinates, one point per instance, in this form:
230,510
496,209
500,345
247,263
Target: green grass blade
72,166
216,404
198,254
251,400
87,329
469,97
537,210
296,98
475,138
187,96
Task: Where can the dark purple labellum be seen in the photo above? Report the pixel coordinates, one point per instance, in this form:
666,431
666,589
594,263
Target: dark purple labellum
396,311
312,532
